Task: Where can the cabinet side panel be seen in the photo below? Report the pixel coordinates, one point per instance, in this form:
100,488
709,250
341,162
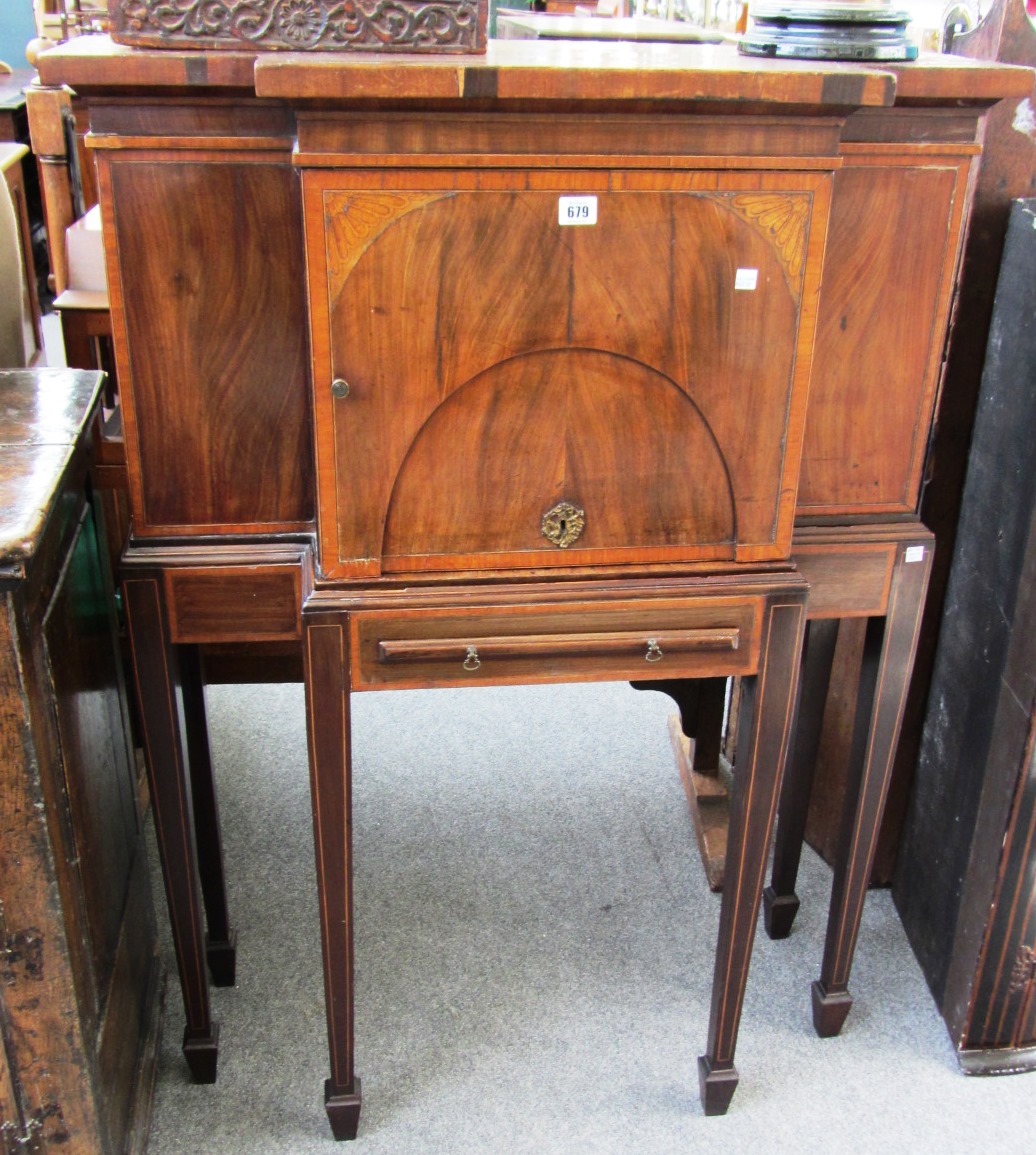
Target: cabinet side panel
879,338
209,290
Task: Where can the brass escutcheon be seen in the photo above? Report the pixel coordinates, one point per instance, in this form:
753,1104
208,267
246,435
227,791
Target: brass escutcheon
563,524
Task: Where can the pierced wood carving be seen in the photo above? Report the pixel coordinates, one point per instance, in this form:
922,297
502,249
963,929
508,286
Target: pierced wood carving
320,25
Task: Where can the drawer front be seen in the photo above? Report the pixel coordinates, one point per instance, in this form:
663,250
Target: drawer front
235,603
530,370
577,642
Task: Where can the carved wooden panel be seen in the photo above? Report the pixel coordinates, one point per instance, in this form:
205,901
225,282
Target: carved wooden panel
647,370
322,25
217,429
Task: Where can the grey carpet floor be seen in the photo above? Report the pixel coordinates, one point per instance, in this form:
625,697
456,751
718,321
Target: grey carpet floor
534,946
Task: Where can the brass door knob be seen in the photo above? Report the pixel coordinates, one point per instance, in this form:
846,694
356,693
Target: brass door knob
339,388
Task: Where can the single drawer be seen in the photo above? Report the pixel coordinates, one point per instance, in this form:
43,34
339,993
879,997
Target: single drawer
235,603
584,641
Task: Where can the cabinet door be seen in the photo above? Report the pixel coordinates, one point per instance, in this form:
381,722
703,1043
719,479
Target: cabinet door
563,369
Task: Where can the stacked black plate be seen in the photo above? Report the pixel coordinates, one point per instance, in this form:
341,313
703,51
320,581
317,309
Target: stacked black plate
836,30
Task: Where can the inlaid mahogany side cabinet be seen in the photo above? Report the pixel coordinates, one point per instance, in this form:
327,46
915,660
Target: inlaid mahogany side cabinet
492,370
80,979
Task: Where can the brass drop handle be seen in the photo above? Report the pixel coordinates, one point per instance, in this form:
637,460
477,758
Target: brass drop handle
654,651
339,388
471,659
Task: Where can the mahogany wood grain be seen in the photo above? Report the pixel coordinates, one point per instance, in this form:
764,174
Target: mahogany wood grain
851,580
89,60
893,249
832,770
337,140
595,389
234,604
578,641
202,413
515,70
600,644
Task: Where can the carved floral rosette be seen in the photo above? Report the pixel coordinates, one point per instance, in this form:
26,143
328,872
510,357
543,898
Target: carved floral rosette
303,25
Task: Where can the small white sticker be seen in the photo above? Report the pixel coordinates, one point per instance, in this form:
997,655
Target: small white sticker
577,210
914,553
745,280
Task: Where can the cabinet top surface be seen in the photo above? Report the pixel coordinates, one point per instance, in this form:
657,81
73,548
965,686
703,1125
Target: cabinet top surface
42,417
518,70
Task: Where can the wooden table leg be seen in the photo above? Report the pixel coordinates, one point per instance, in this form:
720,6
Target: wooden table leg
221,939
780,902
326,646
156,677
764,727
888,660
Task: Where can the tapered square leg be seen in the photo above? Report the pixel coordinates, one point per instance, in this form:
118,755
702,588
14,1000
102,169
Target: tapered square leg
888,658
764,731
326,641
221,940
156,673
780,903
